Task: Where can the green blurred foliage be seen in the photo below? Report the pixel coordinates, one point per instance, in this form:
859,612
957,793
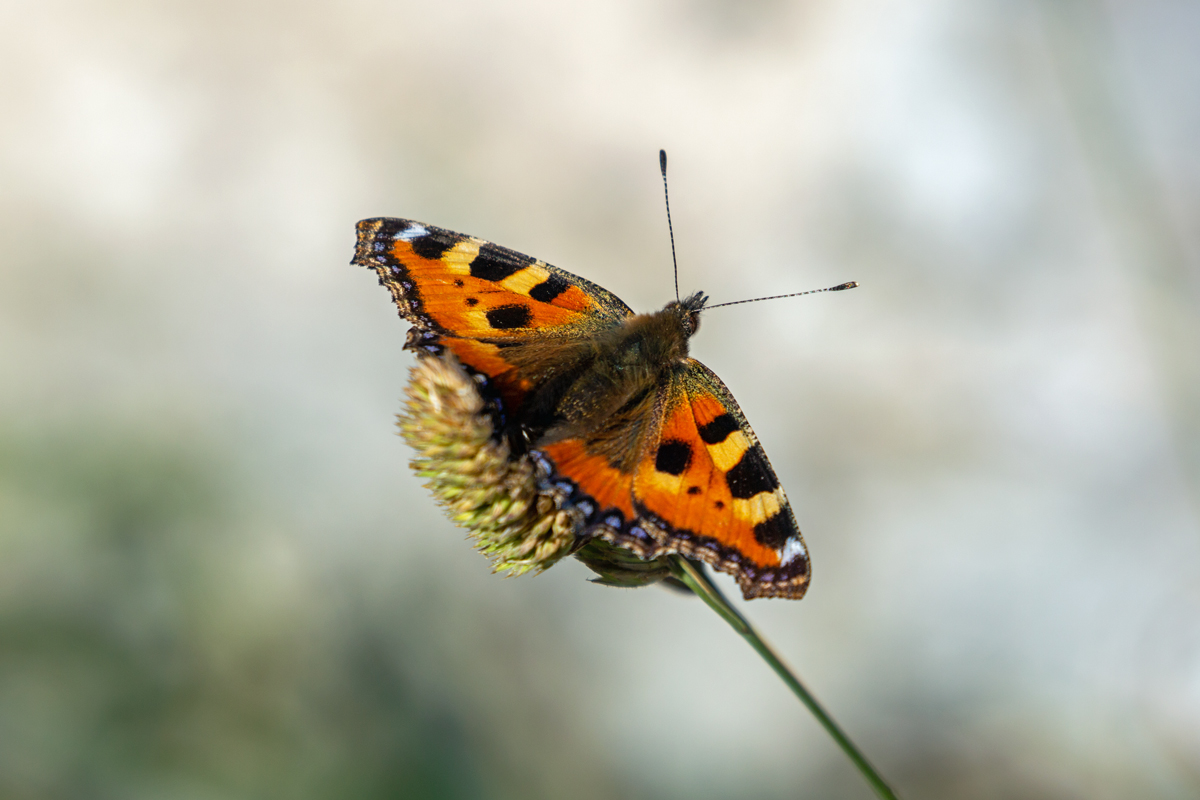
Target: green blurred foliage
135,662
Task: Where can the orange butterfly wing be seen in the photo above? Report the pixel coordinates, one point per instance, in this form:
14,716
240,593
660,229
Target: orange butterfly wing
705,481
459,285
481,300
681,471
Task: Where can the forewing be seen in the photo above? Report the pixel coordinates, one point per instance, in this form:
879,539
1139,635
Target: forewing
506,316
705,488
458,285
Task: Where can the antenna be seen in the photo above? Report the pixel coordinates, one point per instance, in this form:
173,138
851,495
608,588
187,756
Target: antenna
662,165
840,287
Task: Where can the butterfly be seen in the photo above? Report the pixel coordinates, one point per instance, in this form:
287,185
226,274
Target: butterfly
654,448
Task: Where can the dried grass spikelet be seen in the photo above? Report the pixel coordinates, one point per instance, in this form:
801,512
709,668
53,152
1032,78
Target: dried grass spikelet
518,525
512,517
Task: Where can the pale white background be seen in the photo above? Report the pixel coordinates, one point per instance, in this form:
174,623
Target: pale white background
219,579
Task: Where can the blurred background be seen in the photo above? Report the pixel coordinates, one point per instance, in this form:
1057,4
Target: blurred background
219,579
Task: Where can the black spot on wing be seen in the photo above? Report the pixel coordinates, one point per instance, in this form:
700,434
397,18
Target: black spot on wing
514,316
718,429
549,289
472,301
673,457
751,475
693,490
434,243
495,263
774,531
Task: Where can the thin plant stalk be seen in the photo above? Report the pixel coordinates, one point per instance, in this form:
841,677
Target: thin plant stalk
693,576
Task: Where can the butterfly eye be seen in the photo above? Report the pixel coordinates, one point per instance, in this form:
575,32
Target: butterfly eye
691,307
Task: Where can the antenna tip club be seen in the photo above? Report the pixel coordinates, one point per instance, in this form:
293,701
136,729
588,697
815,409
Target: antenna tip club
847,285
662,162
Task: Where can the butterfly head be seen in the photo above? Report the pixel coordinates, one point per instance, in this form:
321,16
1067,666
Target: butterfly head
689,309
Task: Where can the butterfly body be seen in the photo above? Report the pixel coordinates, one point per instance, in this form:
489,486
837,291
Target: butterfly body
646,442
583,386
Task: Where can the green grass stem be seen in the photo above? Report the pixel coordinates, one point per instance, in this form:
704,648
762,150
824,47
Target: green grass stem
692,574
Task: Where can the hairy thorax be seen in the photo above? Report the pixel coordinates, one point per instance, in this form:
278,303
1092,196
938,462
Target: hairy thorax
614,375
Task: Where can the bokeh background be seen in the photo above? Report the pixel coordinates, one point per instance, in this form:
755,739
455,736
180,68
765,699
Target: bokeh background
218,578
